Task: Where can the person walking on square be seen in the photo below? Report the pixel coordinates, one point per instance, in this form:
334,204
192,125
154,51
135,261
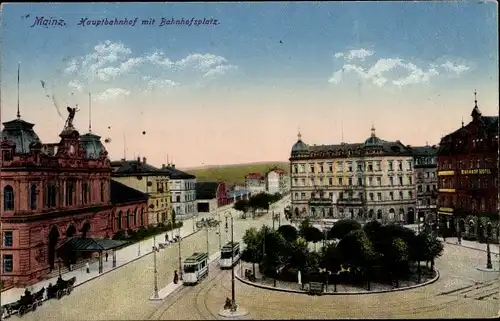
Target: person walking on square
87,266
106,256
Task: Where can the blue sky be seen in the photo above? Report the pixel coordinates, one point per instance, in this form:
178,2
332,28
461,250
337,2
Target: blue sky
356,50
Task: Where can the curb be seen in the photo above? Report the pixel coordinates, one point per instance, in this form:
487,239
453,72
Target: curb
472,248
266,287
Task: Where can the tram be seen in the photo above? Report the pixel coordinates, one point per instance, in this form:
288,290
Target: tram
226,261
195,268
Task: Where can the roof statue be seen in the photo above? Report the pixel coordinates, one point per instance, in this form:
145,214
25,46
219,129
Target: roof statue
71,116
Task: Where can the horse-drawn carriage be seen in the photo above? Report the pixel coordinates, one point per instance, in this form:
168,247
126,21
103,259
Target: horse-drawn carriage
27,302
62,287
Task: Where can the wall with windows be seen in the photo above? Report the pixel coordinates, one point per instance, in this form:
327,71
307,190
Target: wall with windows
382,187
184,197
158,189
129,216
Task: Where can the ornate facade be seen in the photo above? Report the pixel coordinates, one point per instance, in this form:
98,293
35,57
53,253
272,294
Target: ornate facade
468,177
49,192
364,181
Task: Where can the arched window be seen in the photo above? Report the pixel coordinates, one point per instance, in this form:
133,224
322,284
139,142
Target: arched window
135,217
102,192
379,214
120,216
8,198
33,193
128,219
85,192
142,216
50,194
370,213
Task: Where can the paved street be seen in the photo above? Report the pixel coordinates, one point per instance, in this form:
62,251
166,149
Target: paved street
123,294
454,295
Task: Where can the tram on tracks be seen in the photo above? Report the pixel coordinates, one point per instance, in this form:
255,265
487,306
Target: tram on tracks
195,268
226,260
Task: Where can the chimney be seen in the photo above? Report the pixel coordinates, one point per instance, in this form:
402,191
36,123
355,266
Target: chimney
162,166
173,165
138,159
144,160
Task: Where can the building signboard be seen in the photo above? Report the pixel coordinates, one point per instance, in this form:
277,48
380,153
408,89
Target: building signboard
482,171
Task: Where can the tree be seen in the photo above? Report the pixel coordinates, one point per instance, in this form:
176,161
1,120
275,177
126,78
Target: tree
434,248
241,205
289,232
356,249
312,234
398,256
306,223
253,251
343,227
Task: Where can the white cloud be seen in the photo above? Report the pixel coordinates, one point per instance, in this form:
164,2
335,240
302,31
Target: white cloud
393,71
159,84
416,76
112,93
336,77
75,84
108,73
354,54
202,62
219,70
109,61
452,68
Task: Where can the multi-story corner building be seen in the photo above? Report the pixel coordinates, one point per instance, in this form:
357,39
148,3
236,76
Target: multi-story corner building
425,164
255,183
467,177
370,180
183,191
150,180
277,181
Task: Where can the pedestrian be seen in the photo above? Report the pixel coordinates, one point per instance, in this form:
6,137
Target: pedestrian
106,256
166,237
87,266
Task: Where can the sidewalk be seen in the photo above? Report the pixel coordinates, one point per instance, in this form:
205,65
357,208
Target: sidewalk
494,248
123,256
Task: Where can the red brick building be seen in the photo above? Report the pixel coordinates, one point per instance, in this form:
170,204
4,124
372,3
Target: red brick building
467,177
51,192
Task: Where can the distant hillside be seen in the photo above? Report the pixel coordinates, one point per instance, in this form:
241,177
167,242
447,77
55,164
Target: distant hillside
234,174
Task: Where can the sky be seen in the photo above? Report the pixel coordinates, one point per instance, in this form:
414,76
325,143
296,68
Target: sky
239,80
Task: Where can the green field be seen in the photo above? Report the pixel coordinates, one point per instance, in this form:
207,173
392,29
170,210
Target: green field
234,174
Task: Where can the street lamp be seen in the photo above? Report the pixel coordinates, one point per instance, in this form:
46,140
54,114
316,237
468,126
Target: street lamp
180,259
233,295
488,252
155,270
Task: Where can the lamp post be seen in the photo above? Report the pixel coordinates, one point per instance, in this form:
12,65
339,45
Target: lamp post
488,252
420,219
233,295
180,259
155,270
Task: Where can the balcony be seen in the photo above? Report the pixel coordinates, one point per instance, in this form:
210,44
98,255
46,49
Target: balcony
350,202
320,201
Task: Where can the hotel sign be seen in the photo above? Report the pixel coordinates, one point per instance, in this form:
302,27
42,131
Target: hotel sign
447,190
475,171
446,209
446,173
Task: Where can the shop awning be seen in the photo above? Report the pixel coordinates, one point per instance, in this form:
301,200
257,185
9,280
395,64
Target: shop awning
80,244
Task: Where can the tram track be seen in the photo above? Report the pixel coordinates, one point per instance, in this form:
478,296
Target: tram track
204,286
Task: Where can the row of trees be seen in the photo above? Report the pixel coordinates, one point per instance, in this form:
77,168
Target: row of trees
256,202
374,252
